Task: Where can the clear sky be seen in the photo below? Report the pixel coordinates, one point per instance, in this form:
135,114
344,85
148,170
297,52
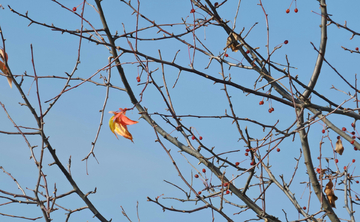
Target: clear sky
129,172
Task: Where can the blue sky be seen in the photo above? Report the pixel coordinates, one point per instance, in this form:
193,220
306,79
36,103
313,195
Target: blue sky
129,172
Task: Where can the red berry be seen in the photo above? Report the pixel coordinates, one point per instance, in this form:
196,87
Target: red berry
318,170
352,142
344,129
278,149
138,79
193,137
200,138
226,184
357,48
74,9
352,125
355,148
227,192
270,111
354,137
237,163
252,163
246,154
199,192
336,160
226,55
323,131
344,167
287,10
286,42
261,102
304,208
272,108
216,4
247,150
353,160
318,158
196,176
192,11
247,51
203,170
357,181
353,133
296,10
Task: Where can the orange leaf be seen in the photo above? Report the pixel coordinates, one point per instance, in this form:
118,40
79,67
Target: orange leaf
3,68
119,122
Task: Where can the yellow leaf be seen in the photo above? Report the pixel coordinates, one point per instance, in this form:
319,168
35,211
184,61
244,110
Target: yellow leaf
3,57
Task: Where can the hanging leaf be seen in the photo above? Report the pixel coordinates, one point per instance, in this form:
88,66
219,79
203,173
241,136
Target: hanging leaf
330,193
118,124
339,147
233,45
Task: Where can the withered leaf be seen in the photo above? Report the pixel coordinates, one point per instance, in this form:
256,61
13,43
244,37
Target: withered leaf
330,193
233,45
339,147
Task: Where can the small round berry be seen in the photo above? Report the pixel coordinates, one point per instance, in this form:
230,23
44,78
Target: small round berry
357,181
138,79
286,42
252,163
226,55
354,137
355,148
216,4
278,149
74,9
200,138
199,192
296,10
336,160
226,184
353,160
353,133
287,11
345,167
237,164
203,170
352,142
247,150
318,170
344,129
304,208
246,154
193,137
192,11
323,131
272,108
270,111
196,176
227,192
261,102
338,137
353,125
318,158
247,51
357,48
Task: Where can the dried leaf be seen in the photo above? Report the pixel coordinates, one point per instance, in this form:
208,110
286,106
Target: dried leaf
233,45
339,147
330,193
327,159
